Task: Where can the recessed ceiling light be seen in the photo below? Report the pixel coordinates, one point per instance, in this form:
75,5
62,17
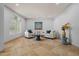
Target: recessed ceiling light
17,4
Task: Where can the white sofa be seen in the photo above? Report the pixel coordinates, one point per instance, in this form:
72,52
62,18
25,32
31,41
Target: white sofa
52,34
28,35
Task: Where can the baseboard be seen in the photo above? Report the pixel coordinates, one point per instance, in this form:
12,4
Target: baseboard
13,39
75,45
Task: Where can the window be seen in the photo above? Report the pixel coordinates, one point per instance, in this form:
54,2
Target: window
15,25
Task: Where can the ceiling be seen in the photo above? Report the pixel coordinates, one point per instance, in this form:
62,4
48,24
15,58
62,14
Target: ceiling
39,9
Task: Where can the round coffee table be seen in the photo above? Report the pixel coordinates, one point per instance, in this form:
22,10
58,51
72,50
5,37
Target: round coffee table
37,37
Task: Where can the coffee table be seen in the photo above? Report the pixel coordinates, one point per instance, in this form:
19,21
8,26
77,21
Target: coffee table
37,37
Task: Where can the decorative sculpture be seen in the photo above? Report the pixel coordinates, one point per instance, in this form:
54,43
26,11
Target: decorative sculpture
66,34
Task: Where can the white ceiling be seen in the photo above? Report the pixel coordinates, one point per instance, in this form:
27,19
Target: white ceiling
39,9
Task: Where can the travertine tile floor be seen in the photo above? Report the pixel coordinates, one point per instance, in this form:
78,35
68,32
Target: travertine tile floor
46,47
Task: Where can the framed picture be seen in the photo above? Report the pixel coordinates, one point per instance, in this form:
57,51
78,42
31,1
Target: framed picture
38,25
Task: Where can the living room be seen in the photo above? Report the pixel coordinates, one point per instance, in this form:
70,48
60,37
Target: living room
38,25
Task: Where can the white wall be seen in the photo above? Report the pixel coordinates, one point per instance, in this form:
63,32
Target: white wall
47,24
8,14
1,27
71,15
